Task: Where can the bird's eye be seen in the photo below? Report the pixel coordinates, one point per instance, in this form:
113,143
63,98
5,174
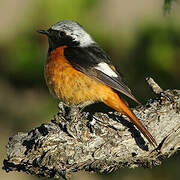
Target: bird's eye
62,33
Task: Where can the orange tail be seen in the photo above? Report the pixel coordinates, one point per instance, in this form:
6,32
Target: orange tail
116,103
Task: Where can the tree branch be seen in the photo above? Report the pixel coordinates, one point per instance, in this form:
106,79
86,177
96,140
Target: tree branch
100,142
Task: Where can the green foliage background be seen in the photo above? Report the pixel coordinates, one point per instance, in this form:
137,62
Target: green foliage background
153,49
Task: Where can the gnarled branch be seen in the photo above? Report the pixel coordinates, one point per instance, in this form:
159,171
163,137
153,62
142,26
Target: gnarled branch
101,142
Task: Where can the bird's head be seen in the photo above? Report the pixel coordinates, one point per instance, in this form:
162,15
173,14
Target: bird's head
69,33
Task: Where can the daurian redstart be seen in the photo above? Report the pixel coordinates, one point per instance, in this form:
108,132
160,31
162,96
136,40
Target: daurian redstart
79,72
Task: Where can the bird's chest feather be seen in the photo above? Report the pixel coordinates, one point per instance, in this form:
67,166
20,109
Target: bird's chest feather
67,83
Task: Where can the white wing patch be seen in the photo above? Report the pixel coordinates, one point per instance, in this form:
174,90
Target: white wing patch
106,69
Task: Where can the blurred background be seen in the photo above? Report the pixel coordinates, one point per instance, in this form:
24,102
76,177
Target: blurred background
140,39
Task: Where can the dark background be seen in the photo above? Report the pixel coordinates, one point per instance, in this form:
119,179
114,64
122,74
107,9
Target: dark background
141,41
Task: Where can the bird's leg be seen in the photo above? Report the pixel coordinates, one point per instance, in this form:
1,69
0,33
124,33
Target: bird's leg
71,117
75,110
69,111
74,121
67,117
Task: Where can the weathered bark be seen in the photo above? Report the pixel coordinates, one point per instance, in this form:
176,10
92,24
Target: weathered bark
101,142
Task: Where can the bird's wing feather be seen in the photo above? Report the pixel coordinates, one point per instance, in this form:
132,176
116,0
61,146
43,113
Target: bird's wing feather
95,63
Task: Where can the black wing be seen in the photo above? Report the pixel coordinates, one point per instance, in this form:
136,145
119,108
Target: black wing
86,60
86,57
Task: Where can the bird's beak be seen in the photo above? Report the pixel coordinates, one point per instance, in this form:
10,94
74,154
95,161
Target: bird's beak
46,32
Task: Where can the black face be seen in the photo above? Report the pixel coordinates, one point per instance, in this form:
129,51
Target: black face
58,38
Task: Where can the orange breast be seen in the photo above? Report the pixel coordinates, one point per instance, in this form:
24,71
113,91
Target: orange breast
69,84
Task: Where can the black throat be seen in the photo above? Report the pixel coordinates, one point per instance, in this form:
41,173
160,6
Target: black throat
55,42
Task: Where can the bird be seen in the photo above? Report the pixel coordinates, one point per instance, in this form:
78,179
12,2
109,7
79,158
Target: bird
79,72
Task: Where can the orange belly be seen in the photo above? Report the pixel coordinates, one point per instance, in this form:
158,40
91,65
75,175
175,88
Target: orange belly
69,84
